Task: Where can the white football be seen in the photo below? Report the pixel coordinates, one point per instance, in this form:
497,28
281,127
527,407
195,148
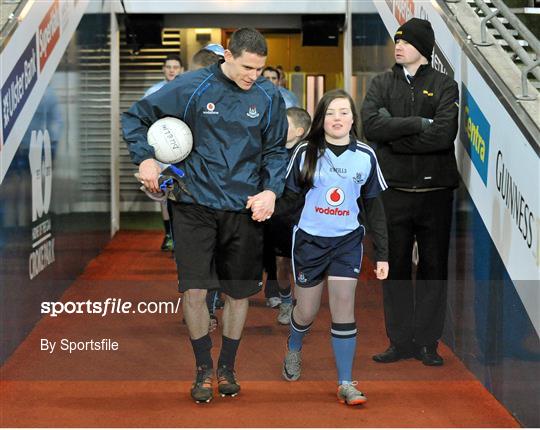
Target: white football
171,139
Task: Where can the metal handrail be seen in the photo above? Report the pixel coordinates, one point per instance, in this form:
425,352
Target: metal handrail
516,23
463,23
483,28
525,89
11,24
530,63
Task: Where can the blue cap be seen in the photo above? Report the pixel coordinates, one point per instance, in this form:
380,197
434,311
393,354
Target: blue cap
216,48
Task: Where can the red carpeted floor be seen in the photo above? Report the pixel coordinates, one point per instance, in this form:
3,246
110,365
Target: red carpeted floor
145,383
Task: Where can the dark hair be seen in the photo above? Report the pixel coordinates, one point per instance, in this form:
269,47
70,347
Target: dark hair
174,57
249,40
316,141
270,69
300,118
204,58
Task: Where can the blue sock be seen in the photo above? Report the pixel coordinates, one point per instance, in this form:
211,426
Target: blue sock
286,295
297,335
344,346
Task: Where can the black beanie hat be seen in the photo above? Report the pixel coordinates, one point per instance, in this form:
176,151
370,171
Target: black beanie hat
419,33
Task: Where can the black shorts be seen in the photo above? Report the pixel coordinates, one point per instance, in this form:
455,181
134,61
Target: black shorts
315,257
217,249
280,230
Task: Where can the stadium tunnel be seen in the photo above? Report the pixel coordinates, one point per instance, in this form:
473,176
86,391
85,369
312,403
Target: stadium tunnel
68,197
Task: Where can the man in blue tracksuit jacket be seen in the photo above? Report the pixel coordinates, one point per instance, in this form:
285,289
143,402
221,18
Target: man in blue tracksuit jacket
239,128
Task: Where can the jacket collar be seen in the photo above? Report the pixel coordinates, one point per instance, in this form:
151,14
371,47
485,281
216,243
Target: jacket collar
216,70
398,71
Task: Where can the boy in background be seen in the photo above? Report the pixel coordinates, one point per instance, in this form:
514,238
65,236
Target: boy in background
280,228
172,67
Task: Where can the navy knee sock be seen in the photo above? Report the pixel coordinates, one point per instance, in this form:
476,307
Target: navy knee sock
297,334
202,348
229,347
286,295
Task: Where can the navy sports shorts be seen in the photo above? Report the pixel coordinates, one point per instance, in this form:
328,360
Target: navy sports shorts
315,257
217,249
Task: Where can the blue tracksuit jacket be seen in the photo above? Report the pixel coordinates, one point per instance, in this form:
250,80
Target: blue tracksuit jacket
238,136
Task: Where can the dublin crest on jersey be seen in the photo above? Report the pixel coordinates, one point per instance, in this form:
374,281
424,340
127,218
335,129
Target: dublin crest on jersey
252,112
357,178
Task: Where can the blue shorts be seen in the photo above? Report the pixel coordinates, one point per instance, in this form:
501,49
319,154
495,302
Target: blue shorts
315,257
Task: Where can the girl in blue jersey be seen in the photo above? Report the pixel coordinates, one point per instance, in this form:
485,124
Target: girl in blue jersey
339,177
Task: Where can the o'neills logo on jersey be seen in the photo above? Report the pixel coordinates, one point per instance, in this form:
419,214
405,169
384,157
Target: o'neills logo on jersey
332,211
210,109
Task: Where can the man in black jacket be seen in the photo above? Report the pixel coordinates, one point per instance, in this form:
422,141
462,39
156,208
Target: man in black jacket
411,115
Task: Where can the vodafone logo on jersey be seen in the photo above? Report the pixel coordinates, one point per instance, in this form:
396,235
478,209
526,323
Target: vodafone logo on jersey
335,196
332,211
210,109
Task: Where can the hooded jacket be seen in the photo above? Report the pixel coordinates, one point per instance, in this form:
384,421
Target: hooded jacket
409,156
238,136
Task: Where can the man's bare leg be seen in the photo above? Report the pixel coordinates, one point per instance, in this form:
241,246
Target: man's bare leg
196,313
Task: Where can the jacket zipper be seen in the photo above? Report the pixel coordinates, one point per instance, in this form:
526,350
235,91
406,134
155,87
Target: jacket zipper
414,156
